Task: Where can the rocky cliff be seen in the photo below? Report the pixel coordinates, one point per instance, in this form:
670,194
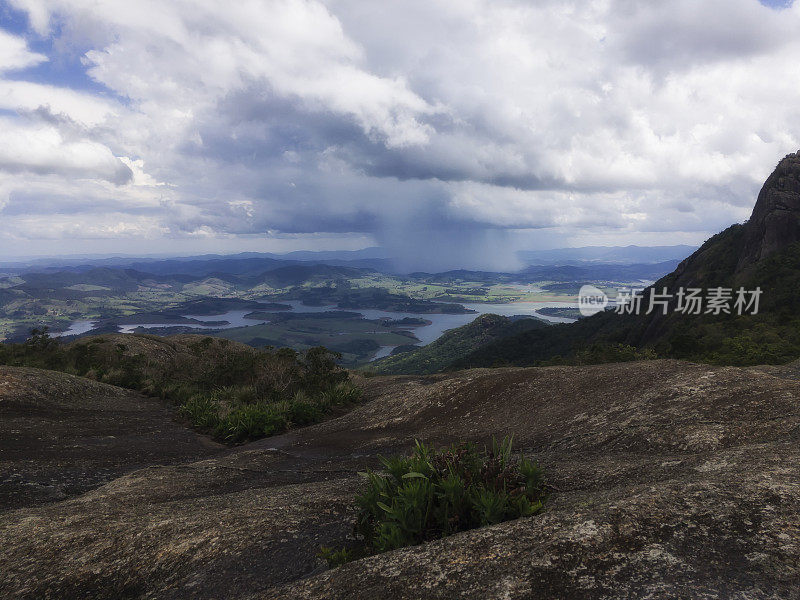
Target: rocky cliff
775,222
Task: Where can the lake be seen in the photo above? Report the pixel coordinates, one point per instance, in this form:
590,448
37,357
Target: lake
425,333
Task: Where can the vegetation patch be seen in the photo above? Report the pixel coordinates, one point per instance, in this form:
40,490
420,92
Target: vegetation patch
601,353
232,392
434,493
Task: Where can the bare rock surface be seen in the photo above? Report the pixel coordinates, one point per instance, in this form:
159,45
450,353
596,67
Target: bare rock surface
670,479
62,435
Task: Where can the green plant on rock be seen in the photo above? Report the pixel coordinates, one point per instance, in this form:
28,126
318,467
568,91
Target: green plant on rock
251,421
320,369
202,411
437,492
304,411
343,393
334,557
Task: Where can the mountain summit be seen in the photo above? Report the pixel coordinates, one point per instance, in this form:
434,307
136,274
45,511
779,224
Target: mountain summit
775,222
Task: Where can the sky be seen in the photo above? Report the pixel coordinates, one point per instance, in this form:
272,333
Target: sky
450,132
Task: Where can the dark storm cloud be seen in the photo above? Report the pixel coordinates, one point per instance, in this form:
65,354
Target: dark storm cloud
255,125
435,128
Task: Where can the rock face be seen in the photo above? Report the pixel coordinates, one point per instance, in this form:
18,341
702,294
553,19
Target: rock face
775,222
669,480
61,436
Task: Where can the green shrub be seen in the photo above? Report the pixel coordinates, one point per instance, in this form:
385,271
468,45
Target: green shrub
304,412
126,376
202,411
179,393
320,369
434,493
336,558
246,394
601,353
341,394
236,394
252,421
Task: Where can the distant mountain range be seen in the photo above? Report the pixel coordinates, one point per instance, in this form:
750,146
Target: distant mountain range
247,263
377,259
626,255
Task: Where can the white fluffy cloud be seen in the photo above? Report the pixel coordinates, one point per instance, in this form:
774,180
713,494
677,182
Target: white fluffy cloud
612,120
14,53
42,148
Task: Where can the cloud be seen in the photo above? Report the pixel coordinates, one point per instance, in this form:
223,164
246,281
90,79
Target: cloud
203,50
51,133
460,120
683,33
14,53
41,149
51,101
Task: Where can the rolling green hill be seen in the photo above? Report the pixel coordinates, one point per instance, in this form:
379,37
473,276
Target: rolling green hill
456,343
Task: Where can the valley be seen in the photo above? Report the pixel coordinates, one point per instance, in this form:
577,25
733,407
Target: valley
245,304
358,334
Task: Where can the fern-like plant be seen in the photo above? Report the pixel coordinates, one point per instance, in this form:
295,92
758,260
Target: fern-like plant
437,492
